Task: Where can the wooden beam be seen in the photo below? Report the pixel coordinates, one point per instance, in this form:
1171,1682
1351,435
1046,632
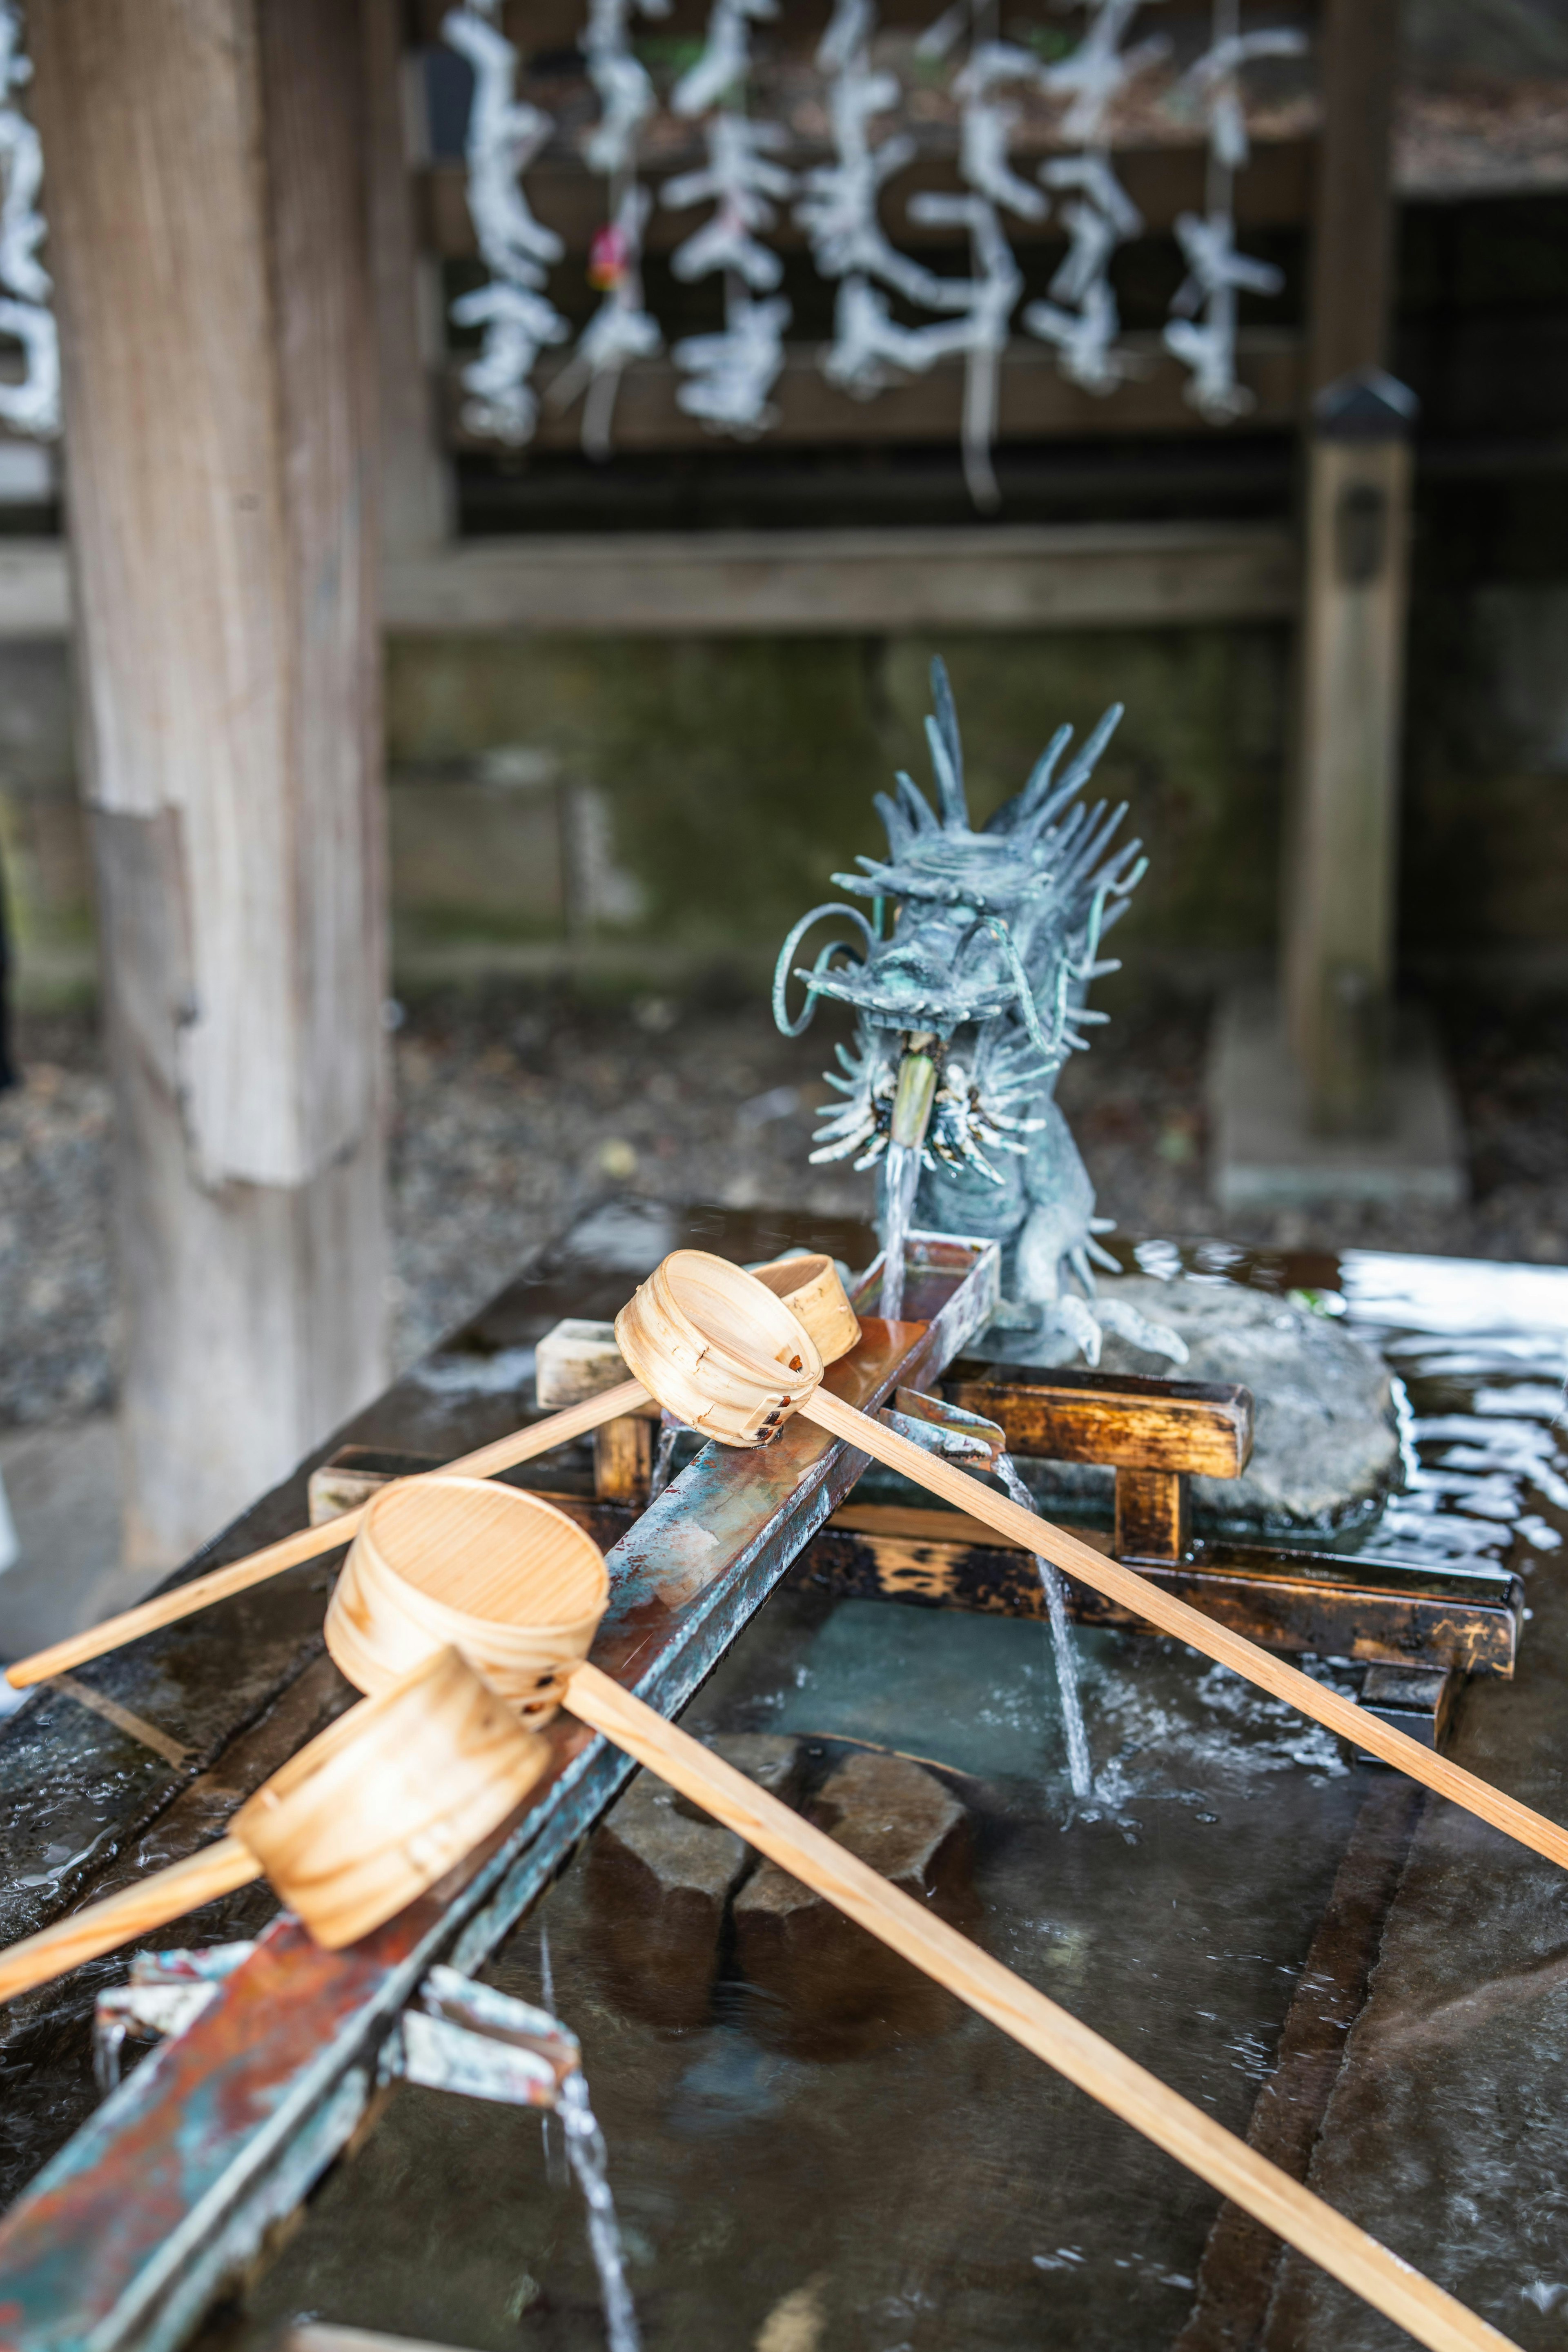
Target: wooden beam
1022,576
1036,402
1093,576
207,214
1134,1423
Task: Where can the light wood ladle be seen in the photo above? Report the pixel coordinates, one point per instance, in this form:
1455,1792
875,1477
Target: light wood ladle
720,1349
810,1283
461,1543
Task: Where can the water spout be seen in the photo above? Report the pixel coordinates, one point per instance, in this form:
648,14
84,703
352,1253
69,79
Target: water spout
903,1167
1080,1772
912,1098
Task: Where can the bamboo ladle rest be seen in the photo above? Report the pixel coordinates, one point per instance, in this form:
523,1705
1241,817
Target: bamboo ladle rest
718,1349
810,1283
444,1556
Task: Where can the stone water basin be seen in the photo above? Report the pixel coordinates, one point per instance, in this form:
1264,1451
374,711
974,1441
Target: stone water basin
1369,1983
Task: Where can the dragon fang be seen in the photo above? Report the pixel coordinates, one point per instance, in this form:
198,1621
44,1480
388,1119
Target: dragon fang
969,979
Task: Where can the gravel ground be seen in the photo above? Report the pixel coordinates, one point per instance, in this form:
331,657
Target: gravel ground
514,1108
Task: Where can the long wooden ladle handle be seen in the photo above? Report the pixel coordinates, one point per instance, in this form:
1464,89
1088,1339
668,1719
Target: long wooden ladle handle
168,1608
104,1926
1140,2098
1172,1616
1095,2065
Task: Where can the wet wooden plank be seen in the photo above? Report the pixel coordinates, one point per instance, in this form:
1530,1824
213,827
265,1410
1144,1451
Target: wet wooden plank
1317,1603
1201,1427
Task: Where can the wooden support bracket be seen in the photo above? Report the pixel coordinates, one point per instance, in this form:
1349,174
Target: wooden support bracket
1154,1433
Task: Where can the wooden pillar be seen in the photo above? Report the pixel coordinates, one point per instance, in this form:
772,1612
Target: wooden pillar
207,205
1340,879
416,491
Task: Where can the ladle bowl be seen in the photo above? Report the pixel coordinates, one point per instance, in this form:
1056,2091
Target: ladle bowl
717,1348
390,1799
497,1574
811,1290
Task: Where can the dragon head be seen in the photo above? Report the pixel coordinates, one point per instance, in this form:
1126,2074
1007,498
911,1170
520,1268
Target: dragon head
996,930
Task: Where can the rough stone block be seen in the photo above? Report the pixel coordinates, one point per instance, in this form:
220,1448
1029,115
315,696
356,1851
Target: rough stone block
833,1990
660,1874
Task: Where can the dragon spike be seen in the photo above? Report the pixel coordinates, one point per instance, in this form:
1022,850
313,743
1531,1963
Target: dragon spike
1032,807
947,750
1084,766
895,825
916,807
1099,842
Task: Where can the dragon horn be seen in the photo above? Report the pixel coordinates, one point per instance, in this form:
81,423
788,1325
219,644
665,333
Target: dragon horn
1083,766
946,749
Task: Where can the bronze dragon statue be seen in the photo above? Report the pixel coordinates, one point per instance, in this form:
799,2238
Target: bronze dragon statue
969,977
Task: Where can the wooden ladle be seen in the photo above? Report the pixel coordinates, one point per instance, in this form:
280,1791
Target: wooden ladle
366,1817
490,1545
717,1348
811,1285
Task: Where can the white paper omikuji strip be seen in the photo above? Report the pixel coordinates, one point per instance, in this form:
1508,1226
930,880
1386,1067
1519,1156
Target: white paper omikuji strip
1202,330
1080,316
1099,69
731,373
622,329
504,136
33,405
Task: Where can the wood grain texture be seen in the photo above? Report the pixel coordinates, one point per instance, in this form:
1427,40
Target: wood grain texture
1172,1616
730,583
495,1573
1374,1612
120,1918
1131,1422
1352,213
811,1290
311,1543
206,230
1093,2064
623,1459
381,1806
717,1346
1342,875
1151,1515
417,500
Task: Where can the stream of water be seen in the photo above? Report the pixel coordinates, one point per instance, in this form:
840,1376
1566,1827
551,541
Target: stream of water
1079,1771
590,2162
899,1203
664,1456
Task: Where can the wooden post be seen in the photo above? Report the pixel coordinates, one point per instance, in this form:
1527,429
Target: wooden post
1339,882
417,484
207,233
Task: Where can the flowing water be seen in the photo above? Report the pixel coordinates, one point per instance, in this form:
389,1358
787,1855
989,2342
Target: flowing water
1079,1771
590,2162
664,1455
897,1210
